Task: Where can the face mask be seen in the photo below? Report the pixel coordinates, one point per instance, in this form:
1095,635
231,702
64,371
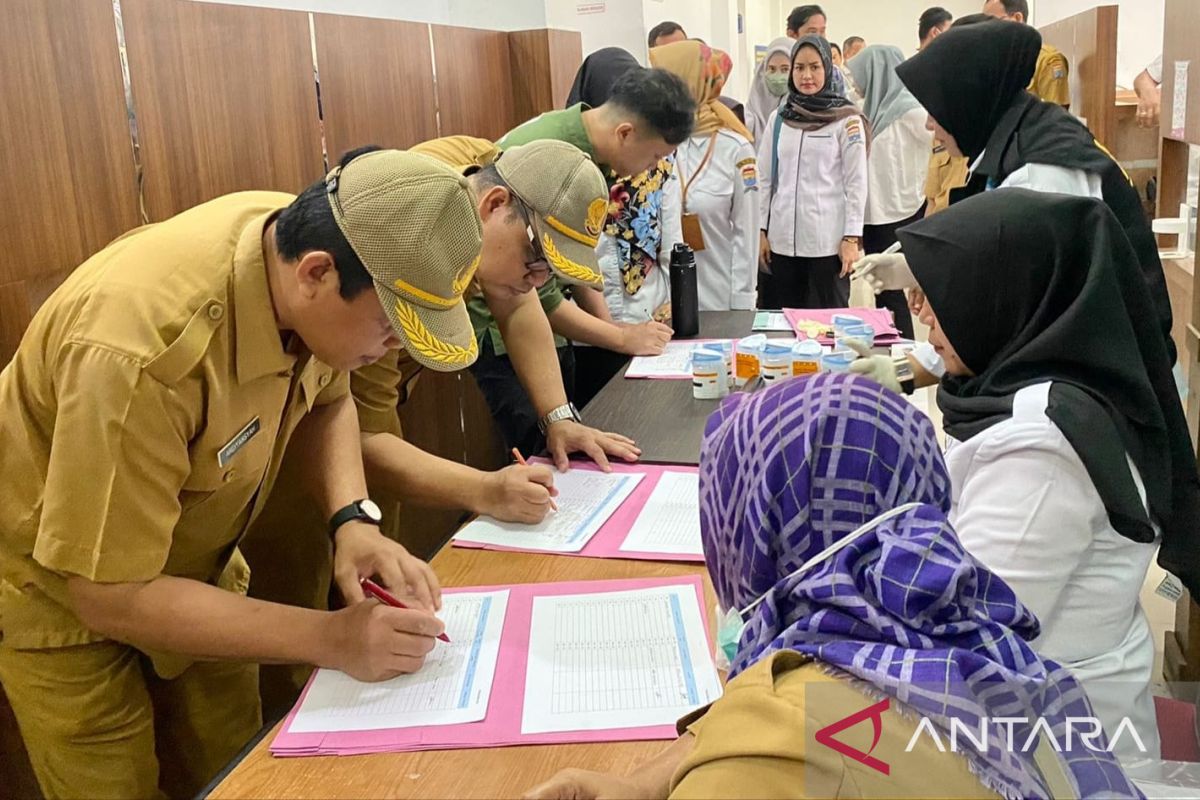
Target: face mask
777,84
733,622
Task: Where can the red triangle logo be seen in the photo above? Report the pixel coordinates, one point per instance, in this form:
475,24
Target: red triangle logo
873,713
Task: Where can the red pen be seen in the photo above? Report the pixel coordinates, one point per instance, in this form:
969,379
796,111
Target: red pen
373,589
521,460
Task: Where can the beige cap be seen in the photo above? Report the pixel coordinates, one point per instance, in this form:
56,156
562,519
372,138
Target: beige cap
413,223
569,200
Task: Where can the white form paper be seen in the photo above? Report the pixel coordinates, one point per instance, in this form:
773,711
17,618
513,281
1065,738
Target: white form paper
771,321
586,499
453,686
670,520
628,659
675,362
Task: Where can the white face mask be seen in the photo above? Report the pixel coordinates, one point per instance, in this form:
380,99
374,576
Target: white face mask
732,623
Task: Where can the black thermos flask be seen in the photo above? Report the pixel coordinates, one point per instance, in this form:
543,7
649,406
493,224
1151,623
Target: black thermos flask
685,298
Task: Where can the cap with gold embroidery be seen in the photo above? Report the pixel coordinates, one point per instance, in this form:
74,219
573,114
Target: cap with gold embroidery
413,223
569,200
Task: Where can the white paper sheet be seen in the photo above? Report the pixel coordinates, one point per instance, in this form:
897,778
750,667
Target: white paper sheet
586,500
771,321
616,660
453,686
670,520
675,362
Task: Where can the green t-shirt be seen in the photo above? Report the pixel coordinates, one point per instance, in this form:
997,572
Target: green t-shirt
564,126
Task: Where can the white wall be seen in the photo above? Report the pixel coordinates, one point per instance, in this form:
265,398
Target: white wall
1139,29
885,21
619,24
509,15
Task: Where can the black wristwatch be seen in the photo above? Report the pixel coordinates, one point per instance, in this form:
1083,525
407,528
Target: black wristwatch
362,510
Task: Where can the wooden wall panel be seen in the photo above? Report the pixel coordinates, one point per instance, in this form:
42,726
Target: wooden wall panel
548,60
474,82
64,148
376,82
225,100
1089,41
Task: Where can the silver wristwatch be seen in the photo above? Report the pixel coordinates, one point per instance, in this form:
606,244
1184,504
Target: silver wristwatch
559,414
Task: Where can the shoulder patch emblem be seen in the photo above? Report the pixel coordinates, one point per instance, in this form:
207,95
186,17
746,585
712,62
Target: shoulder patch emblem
749,169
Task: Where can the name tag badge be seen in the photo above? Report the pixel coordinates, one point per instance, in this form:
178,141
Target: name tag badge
226,453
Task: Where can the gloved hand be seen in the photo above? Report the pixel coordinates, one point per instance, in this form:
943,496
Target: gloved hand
878,368
885,271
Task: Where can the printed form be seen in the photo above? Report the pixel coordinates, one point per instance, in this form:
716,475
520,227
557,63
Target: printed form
453,686
675,362
616,660
670,520
586,499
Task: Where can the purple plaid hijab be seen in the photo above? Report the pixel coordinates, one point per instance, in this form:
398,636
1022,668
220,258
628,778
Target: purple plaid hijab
785,473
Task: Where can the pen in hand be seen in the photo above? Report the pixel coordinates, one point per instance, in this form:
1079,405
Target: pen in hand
372,589
521,460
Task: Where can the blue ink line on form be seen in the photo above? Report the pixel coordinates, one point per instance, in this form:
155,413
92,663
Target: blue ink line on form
588,521
684,658
464,698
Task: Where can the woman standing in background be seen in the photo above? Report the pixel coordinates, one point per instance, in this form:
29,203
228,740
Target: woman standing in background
813,155
642,225
769,85
899,160
718,178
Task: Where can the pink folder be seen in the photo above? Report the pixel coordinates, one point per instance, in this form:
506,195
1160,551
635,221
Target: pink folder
886,332
607,541
502,726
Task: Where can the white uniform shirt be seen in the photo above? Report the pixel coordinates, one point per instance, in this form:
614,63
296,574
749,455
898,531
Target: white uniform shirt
725,197
656,290
1024,505
821,192
897,168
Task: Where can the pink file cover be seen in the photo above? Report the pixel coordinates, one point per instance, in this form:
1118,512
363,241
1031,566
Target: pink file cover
502,726
607,541
880,319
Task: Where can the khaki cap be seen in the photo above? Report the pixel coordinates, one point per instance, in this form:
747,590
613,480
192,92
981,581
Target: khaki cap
413,223
569,200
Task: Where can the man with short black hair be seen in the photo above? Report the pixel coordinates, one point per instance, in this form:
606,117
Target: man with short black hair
666,33
144,418
648,113
1051,77
809,20
932,24
852,47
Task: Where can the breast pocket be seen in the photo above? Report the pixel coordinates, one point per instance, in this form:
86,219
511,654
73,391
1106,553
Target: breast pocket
228,461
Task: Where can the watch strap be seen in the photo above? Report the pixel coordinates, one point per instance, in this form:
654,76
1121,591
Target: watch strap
348,513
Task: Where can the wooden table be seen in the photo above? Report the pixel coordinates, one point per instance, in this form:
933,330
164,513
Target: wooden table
494,772
662,416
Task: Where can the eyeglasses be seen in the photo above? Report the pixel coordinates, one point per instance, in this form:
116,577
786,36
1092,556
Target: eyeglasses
537,264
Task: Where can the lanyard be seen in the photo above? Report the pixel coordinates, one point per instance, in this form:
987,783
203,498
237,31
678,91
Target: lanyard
687,183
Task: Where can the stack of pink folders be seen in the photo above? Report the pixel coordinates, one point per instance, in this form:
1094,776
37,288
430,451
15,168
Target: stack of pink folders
660,488
648,662
886,332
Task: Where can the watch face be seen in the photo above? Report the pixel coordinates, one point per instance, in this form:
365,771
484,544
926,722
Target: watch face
369,508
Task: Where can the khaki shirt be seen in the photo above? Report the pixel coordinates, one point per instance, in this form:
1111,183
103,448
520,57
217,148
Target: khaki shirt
946,173
144,417
1051,77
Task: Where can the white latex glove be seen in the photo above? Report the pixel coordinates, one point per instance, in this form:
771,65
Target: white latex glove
885,272
878,368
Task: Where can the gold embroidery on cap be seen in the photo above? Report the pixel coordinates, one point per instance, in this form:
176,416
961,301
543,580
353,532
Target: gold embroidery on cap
596,213
567,267
428,345
428,297
464,280
571,233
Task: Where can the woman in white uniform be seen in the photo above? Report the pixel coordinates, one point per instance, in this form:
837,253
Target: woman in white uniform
1068,451
899,160
769,85
717,176
813,156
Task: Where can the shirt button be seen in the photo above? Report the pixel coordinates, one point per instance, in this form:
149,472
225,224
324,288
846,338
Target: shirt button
216,311
323,381
228,476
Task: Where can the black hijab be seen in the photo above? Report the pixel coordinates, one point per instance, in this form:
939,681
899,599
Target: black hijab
969,76
809,111
1031,287
597,74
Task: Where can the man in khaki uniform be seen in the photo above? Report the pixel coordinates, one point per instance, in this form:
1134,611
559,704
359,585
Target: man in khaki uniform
1051,76
144,417
516,197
